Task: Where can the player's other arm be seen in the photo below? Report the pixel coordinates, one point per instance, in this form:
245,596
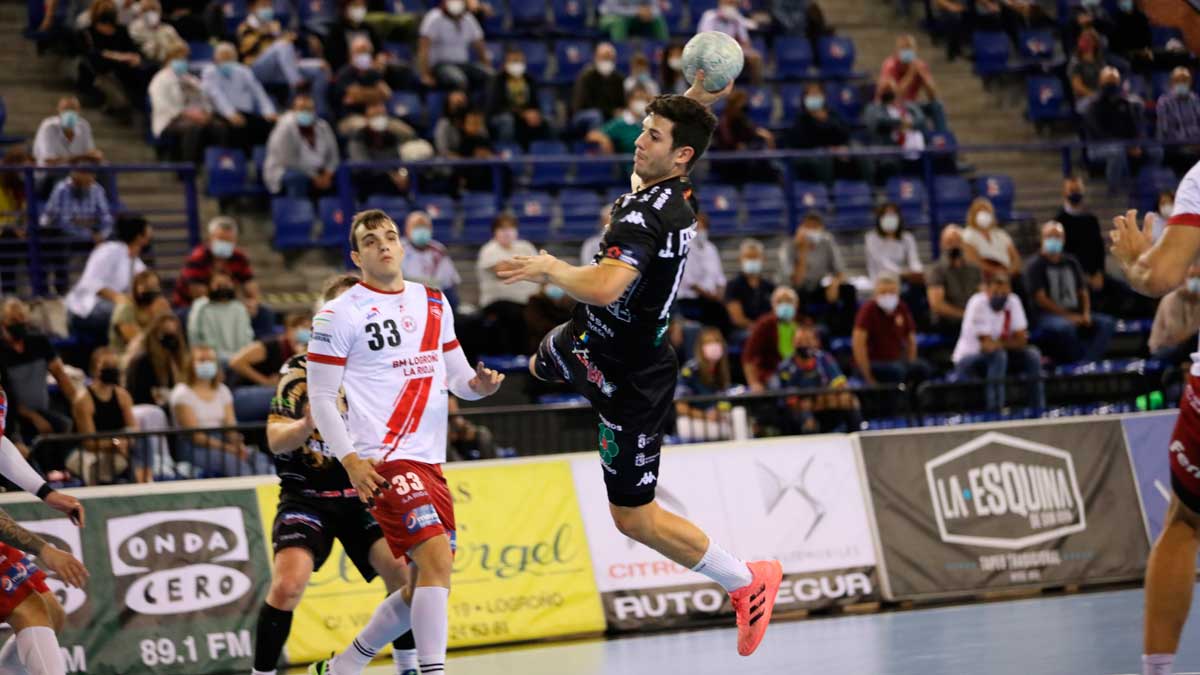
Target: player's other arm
15,468
597,285
1157,269
64,564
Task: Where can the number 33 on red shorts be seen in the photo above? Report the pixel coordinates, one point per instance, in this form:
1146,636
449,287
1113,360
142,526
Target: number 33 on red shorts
415,507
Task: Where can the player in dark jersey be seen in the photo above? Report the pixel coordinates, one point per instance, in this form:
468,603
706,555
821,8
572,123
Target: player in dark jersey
613,350
317,504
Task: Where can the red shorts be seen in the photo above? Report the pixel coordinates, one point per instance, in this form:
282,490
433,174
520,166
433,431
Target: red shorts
18,578
416,507
1185,447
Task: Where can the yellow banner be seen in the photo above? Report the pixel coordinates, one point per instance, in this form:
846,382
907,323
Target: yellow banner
522,571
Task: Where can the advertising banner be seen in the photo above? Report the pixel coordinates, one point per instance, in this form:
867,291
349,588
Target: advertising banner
991,507
523,570
798,500
1149,437
176,580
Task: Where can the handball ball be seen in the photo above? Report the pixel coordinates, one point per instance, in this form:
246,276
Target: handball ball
719,55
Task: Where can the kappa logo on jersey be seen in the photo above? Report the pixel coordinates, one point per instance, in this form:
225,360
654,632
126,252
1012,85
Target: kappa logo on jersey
634,217
608,445
420,518
648,478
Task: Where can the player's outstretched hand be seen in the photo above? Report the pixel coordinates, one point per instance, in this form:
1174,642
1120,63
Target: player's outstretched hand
533,268
1129,240
64,565
698,93
486,381
363,477
66,504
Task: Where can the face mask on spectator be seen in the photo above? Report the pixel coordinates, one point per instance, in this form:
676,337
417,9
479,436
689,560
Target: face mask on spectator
1052,246
362,61
506,236
221,294
206,370
675,63
265,15
221,249
729,11
421,236
68,119
305,118
1075,198
712,351
1125,6
785,311
302,336
379,123
146,297
1193,285
151,18
814,102
908,55
169,341
515,68
17,331
110,375
554,292
107,18
605,67
356,14
455,7
887,302
889,222
1181,89
225,68
1090,4
752,266
1111,89
998,302
984,219
888,97
179,66
638,108
1166,209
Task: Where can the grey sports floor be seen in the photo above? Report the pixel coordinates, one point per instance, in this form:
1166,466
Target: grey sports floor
1087,634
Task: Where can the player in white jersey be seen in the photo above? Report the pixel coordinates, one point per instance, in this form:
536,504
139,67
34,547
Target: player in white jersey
1156,269
390,345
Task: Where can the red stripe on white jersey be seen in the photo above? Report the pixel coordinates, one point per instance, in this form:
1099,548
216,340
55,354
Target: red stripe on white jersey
327,360
1189,219
450,346
433,320
420,399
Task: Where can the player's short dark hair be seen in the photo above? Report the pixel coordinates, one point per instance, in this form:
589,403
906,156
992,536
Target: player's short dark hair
368,220
692,123
503,220
130,227
336,285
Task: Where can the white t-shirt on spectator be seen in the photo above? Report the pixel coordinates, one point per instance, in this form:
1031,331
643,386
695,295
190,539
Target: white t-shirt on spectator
703,269
51,142
206,413
898,256
491,288
109,266
450,40
979,319
994,249
737,28
430,266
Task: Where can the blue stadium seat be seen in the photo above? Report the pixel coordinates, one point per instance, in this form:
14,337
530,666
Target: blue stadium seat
580,213
1037,46
845,99
441,210
548,175
6,138
835,54
570,16
320,11
252,402
791,97
793,56
1160,82
407,106
479,209
537,58
396,207
1046,99
952,194
293,219
401,50
1160,35
615,192
760,105
258,156
334,223
943,140
495,52
810,197
853,204
676,18
592,174
722,205
910,195
226,172
1000,189
527,13
200,51
625,52
1152,180
572,57
766,207
991,50
534,211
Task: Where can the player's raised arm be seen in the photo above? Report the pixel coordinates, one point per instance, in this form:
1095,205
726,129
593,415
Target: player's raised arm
465,382
597,285
1156,269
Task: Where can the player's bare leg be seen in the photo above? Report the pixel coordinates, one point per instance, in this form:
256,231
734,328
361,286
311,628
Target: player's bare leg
293,567
1170,575
394,572
430,602
35,642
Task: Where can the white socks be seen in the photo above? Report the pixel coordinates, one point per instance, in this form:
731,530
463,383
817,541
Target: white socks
405,660
10,661
39,652
720,566
263,672
390,620
1157,664
431,627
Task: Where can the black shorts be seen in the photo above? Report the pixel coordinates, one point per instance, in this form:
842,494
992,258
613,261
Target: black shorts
313,524
634,405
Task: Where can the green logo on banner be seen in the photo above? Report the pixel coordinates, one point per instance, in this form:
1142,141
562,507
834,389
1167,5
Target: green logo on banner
608,445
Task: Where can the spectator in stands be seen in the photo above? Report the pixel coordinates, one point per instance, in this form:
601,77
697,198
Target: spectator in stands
951,281
1084,67
155,38
599,92
220,320
546,309
888,121
512,105
187,16
591,245
639,73
812,261
426,260
302,153
1057,283
202,401
911,77
12,217
219,255
1173,337
1090,15
136,312
811,367
65,138
181,115
702,287
462,133
156,361
78,206
772,339
1131,40
816,26
504,304
1178,111
379,139
819,127
103,405
670,70
623,19
952,17
359,84
28,359
705,374
350,24
112,53
239,98
748,296
620,134
985,243
727,18
106,279
885,338
259,362
1084,240
737,132
995,341
271,54
448,34
1158,219
1115,116
890,247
